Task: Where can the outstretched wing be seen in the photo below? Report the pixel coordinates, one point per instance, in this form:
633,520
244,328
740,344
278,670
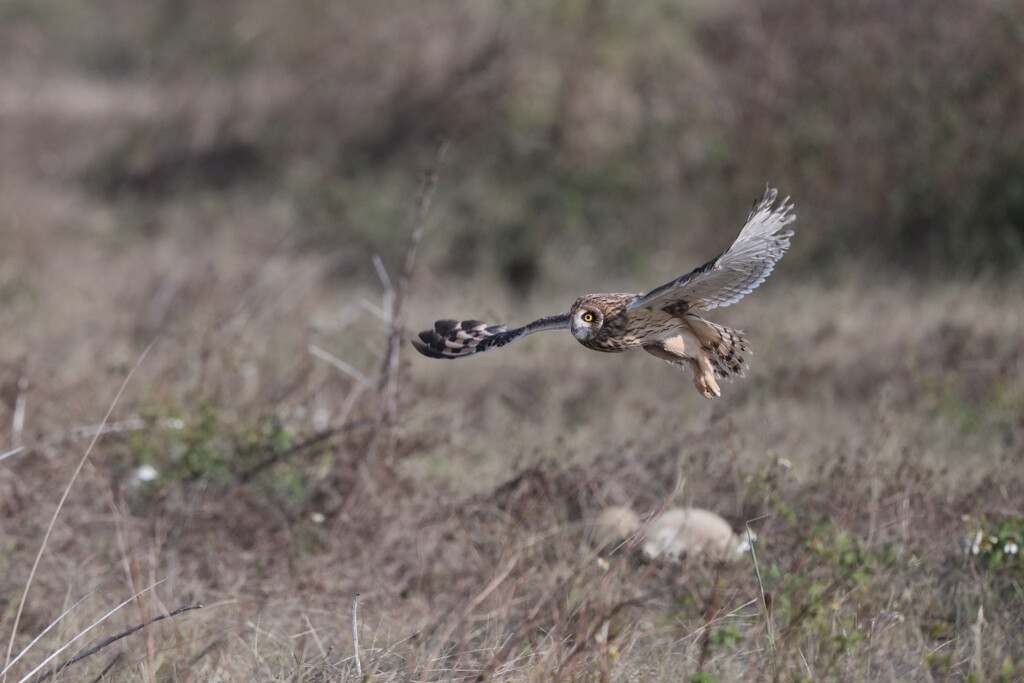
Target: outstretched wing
454,339
738,270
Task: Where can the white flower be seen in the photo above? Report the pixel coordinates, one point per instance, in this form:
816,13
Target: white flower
784,462
146,473
747,539
603,563
316,517
1010,548
976,543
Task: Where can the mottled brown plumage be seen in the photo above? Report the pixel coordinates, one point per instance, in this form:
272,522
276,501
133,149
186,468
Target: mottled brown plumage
616,330
662,321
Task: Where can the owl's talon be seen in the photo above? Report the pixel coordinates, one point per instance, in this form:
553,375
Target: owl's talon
707,386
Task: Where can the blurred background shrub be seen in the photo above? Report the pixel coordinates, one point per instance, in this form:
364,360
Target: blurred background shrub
593,129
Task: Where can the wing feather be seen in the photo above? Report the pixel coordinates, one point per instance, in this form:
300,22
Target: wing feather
738,270
454,339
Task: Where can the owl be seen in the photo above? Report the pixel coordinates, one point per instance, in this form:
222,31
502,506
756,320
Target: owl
664,322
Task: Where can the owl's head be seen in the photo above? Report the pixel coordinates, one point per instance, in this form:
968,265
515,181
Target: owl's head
585,321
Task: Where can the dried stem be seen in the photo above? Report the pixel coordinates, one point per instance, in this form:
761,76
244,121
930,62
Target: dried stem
390,374
13,451
18,421
47,630
355,634
112,639
63,499
110,665
766,603
88,628
340,365
317,438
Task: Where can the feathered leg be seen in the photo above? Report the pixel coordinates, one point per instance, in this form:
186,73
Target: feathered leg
710,351
723,346
683,351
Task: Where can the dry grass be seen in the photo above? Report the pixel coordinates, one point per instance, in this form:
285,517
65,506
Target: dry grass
898,406
199,208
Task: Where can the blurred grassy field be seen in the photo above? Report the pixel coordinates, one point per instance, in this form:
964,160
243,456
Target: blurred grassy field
218,178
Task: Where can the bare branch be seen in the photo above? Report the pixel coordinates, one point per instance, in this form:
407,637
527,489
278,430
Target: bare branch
382,274
317,438
389,373
340,364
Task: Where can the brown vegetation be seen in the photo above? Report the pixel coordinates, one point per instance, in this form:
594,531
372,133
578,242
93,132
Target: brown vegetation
218,177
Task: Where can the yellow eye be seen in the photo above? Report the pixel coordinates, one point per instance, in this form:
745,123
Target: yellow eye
588,317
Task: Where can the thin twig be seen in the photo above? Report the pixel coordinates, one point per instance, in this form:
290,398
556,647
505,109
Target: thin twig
13,451
112,639
710,606
766,602
340,364
317,438
583,643
355,634
316,638
205,651
46,630
18,422
113,660
464,613
133,424
87,629
388,304
389,374
531,622
374,310
60,505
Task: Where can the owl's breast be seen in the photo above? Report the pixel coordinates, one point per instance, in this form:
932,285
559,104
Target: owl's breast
606,344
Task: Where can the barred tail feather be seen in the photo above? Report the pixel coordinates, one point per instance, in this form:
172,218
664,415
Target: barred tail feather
724,347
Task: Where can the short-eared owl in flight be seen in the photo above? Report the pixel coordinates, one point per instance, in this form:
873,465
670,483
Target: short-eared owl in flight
663,322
